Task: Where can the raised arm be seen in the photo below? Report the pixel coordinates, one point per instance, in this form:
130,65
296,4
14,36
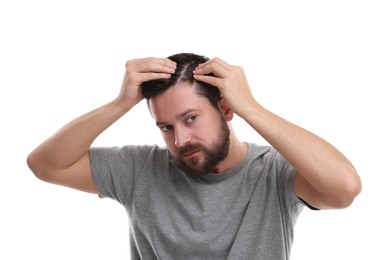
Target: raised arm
325,178
63,158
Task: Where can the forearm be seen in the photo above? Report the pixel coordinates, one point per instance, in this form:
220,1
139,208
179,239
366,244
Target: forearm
317,161
73,141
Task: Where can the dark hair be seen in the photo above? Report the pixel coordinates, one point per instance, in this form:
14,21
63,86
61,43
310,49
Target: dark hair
185,64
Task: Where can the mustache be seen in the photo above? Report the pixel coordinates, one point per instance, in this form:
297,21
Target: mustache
189,148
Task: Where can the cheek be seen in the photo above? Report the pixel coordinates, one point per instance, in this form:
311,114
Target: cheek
209,131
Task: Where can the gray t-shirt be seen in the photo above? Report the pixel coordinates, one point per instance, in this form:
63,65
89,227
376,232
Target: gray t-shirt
249,212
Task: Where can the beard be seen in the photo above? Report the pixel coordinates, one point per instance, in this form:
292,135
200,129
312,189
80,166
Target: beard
218,151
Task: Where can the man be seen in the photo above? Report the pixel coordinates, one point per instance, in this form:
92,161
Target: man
207,195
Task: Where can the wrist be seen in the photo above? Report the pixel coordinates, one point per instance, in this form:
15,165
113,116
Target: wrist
121,106
249,109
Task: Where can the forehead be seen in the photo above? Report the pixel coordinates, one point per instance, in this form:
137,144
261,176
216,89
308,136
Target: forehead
176,100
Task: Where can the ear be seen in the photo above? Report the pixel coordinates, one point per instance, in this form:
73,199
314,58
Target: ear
226,111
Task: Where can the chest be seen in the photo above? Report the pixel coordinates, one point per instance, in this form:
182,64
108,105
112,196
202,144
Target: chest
212,217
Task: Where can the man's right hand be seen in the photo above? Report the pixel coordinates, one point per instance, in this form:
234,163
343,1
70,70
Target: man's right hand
139,71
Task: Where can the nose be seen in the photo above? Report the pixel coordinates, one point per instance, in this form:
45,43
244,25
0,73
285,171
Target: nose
182,136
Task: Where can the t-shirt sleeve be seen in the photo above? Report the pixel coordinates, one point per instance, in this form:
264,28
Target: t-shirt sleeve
114,170
286,175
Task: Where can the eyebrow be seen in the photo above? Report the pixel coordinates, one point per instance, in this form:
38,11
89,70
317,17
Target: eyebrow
180,115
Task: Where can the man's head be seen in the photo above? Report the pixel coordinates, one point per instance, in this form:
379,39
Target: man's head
185,64
191,116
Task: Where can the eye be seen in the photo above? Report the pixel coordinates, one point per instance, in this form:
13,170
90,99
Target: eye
165,128
190,119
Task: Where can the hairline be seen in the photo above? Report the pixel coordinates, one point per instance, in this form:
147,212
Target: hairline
186,83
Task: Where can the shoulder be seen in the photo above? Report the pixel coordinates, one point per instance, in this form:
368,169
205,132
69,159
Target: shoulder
271,161
267,152
129,152
256,149
128,149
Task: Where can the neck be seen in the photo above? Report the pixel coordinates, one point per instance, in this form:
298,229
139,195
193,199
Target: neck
237,152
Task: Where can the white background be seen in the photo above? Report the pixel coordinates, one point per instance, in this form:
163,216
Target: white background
324,65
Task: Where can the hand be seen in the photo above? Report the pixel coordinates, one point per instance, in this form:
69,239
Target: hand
139,71
230,80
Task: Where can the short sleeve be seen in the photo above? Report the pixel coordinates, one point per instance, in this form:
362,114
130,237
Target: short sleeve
115,169
286,175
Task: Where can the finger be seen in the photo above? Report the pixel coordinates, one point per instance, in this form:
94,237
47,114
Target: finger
162,61
214,68
152,65
157,65
214,60
208,79
145,77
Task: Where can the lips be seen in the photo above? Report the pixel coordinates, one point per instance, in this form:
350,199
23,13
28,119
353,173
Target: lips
189,150
191,153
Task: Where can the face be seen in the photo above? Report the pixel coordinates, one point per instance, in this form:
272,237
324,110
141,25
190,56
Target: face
195,132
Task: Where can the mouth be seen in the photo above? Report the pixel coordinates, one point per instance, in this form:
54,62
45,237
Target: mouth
191,153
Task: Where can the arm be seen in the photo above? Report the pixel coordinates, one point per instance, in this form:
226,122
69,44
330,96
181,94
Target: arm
325,178
64,157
